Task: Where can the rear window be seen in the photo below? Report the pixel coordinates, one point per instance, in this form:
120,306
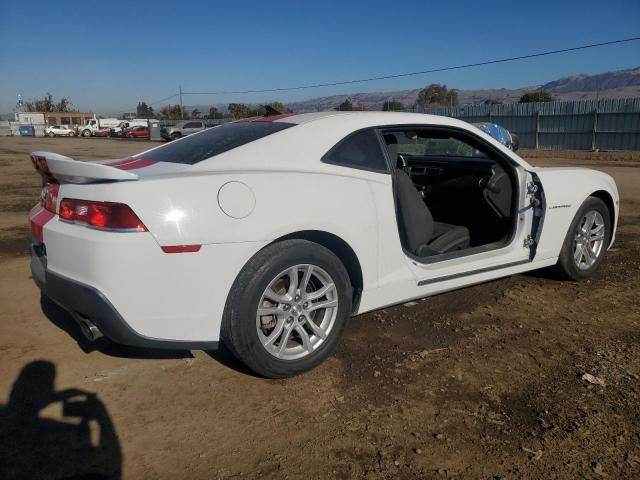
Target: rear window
213,141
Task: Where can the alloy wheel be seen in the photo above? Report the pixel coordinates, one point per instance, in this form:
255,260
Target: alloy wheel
589,240
297,311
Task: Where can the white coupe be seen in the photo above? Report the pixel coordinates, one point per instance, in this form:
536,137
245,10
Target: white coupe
269,233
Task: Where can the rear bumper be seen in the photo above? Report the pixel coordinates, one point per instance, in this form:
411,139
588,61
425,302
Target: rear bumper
86,302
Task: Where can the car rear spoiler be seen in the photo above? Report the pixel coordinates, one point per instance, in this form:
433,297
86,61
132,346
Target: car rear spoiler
55,168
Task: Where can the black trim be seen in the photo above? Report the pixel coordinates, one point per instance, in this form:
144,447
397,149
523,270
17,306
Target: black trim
84,301
383,151
472,272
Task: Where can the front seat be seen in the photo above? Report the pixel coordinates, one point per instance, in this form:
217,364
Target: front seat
420,234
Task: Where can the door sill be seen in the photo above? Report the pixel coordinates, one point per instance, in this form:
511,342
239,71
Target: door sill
471,272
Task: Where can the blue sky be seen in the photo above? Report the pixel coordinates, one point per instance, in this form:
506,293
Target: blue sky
111,55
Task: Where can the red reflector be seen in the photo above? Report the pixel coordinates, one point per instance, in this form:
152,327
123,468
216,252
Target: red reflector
180,248
105,215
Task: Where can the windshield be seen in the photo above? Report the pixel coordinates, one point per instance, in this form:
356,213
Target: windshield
415,143
213,141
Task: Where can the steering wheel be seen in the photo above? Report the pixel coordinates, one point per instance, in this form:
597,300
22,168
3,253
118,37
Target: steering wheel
403,163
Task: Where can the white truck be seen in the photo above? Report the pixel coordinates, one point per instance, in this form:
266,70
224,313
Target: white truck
126,124
94,125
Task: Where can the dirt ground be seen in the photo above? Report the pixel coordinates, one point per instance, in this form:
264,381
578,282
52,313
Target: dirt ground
485,382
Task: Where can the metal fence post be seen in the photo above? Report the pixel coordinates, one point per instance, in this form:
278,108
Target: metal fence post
594,131
537,129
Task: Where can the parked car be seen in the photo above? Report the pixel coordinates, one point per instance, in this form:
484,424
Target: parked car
182,129
137,132
501,134
269,233
104,132
59,131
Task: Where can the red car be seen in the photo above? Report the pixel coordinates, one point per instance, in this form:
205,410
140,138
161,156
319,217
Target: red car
138,132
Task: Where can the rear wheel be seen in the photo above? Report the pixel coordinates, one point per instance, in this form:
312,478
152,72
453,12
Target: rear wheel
586,241
287,308
175,136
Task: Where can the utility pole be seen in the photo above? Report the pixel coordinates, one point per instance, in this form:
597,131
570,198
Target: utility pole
181,107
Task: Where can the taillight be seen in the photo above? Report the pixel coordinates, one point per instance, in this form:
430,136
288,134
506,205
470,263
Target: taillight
104,215
49,196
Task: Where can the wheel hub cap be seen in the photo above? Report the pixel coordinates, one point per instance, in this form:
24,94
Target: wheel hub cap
297,311
589,240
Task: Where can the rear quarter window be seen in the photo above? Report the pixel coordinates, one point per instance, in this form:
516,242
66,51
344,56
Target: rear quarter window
213,141
360,150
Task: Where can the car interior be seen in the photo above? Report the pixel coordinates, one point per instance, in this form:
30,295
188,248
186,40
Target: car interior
454,194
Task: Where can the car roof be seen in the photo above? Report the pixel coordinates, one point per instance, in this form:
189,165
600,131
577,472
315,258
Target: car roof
366,118
300,148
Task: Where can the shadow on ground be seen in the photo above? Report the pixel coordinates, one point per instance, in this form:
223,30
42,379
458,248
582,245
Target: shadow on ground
83,444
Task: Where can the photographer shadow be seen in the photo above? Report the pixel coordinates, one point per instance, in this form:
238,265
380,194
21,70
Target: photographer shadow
83,444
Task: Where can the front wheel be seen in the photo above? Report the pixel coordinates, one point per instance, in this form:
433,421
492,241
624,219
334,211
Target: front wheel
586,241
287,308
86,133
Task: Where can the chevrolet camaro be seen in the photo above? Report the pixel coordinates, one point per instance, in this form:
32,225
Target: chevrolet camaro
269,233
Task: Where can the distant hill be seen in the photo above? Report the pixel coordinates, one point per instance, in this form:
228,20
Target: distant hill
619,84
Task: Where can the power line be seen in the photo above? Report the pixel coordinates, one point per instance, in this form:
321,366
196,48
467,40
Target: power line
423,72
163,99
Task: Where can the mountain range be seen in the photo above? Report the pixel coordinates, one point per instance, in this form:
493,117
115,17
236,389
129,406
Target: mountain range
617,84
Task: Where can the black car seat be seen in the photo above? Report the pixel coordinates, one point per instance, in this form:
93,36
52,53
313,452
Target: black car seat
420,234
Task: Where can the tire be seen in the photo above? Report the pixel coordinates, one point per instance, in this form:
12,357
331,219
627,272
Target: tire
175,136
569,266
86,133
246,334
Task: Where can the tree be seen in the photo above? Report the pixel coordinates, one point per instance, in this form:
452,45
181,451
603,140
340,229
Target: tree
536,96
214,114
345,106
144,111
64,105
47,104
436,95
172,112
392,106
240,110
195,113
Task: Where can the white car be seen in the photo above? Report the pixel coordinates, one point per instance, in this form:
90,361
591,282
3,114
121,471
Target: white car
269,233
59,131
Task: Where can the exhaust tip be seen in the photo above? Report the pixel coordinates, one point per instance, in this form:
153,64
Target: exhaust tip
89,329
